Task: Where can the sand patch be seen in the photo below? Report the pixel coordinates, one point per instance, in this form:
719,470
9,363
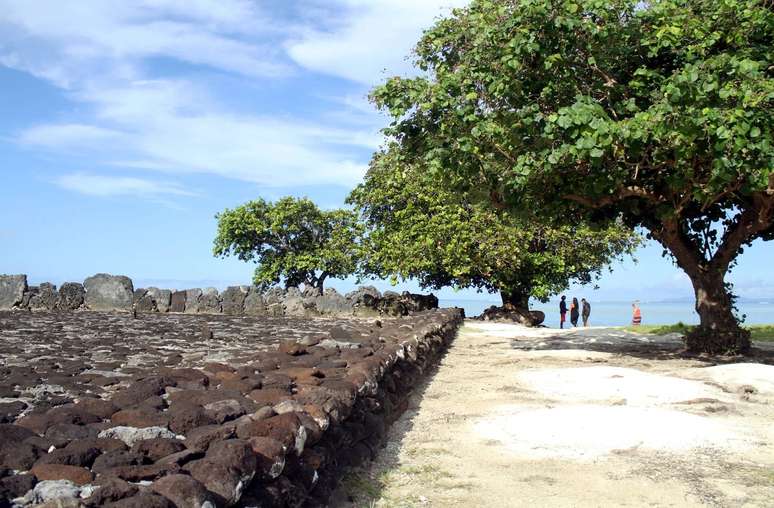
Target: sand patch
563,354
736,375
604,383
587,432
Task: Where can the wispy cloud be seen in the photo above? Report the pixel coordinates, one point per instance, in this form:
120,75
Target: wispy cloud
167,126
66,42
108,186
367,39
67,135
131,115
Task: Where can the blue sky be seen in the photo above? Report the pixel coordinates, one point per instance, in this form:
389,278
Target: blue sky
126,126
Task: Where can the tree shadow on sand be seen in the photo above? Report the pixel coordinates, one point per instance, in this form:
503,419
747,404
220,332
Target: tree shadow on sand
645,346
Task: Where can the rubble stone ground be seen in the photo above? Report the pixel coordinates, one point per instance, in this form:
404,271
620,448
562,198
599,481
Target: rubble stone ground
516,416
191,411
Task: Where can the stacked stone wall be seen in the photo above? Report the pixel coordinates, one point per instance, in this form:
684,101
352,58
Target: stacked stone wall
107,292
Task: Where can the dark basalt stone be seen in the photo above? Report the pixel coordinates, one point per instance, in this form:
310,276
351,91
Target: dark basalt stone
178,301
335,383
182,490
71,296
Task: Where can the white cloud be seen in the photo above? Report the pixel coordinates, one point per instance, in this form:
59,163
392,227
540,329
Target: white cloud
128,115
374,38
106,186
171,127
67,135
67,42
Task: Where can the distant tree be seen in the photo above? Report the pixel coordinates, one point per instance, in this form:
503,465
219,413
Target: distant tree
418,228
659,112
291,239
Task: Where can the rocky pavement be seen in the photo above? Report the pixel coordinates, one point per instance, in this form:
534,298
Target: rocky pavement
104,409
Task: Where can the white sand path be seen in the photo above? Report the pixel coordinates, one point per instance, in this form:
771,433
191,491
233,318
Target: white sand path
595,417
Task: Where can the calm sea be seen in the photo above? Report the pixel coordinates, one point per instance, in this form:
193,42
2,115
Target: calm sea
620,313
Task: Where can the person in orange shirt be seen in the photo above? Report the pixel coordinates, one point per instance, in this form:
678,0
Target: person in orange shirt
636,314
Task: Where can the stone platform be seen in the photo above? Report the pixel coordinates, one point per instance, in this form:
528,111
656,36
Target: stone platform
103,409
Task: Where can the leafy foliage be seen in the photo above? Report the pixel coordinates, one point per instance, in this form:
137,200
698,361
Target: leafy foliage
658,112
291,239
418,228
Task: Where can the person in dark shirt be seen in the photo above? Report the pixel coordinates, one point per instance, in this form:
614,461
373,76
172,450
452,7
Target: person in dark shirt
585,311
562,312
574,312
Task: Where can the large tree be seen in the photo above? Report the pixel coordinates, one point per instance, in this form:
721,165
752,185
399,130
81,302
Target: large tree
659,112
419,228
291,240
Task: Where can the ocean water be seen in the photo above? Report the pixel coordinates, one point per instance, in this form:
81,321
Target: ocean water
620,313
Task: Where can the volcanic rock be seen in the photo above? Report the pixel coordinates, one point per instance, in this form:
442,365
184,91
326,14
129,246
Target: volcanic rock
129,435
233,299
108,292
183,491
12,288
71,296
75,474
178,300
227,468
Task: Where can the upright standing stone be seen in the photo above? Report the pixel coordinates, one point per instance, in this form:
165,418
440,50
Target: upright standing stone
332,303
419,303
71,296
143,302
45,298
178,302
209,302
161,297
274,299
364,300
12,288
254,303
234,300
192,300
294,303
108,292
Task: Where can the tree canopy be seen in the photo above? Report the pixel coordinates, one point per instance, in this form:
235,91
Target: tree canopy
291,240
658,112
418,228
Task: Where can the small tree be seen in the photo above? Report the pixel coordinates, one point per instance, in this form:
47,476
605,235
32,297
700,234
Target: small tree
659,112
291,239
419,228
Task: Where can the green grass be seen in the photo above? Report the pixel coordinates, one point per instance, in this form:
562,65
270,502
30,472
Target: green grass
763,333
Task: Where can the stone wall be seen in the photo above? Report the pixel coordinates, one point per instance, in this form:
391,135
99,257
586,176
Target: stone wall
117,293
271,425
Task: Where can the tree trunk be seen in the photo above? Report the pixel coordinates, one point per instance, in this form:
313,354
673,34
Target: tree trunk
719,331
516,308
515,299
320,284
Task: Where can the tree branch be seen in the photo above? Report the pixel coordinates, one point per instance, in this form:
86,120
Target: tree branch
671,237
623,193
748,224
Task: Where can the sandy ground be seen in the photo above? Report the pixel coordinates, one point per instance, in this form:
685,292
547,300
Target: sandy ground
596,417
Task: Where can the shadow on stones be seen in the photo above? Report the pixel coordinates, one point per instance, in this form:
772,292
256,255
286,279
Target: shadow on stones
355,481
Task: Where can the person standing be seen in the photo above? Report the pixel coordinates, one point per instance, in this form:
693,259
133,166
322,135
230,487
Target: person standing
574,312
562,312
585,311
636,314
